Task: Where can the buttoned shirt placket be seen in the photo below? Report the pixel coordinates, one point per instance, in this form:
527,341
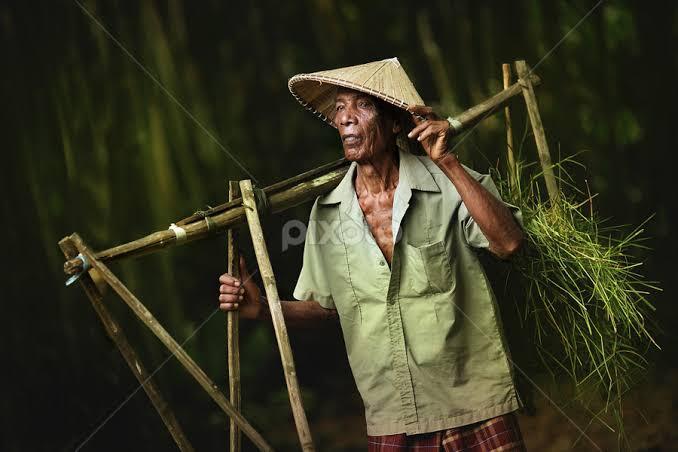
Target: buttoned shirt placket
391,277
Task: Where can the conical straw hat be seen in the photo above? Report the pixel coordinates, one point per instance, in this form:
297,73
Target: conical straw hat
385,79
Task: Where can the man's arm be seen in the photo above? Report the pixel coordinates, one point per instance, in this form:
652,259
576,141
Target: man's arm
244,295
300,313
489,213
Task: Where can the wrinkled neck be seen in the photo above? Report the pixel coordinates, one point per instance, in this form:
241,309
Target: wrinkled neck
377,175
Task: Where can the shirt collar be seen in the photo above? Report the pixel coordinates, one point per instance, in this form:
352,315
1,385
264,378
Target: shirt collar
412,172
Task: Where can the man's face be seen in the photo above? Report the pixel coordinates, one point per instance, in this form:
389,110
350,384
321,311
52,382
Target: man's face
366,133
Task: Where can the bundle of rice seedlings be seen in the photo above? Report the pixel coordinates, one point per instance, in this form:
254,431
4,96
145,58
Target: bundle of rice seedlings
582,298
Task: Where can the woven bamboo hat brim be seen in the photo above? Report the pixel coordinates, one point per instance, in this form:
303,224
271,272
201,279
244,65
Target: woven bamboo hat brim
385,79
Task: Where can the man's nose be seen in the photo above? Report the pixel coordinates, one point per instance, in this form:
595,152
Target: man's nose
346,116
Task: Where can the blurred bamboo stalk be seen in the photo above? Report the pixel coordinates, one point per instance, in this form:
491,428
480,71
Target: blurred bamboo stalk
435,60
119,338
232,329
279,327
510,157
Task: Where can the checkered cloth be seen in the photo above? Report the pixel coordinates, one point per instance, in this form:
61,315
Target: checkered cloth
500,433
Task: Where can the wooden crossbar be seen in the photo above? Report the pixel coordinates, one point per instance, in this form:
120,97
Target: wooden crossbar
168,341
119,338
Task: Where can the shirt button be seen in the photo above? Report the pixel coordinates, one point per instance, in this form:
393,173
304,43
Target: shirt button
382,263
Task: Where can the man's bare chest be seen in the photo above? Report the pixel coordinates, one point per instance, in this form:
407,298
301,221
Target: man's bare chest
378,213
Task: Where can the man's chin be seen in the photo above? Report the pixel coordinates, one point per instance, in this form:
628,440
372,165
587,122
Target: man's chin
355,154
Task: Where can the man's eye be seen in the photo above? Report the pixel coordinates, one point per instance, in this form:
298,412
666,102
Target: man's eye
364,104
338,107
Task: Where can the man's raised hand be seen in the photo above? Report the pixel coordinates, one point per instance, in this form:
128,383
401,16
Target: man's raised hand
431,131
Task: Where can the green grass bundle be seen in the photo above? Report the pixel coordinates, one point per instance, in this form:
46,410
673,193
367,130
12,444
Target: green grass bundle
582,298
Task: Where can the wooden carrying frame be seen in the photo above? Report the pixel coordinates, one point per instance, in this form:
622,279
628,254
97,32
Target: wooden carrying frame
241,207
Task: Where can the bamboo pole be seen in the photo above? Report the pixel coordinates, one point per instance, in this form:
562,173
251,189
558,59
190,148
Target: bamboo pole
232,330
151,322
538,130
282,196
119,338
267,276
278,187
232,215
510,156
489,106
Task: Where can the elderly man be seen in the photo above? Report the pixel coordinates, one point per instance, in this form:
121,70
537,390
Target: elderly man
391,253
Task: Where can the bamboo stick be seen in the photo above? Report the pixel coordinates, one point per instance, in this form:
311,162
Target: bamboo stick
282,196
119,338
511,160
219,223
272,189
538,130
150,321
232,330
281,201
489,106
286,356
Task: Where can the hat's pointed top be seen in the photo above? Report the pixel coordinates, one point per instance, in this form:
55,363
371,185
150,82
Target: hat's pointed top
385,79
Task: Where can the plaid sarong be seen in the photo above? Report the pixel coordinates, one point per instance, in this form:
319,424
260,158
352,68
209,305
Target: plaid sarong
500,433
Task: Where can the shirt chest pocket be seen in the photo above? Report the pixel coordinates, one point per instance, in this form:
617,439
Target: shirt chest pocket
426,270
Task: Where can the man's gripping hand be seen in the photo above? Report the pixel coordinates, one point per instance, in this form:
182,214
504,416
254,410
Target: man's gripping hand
432,132
240,294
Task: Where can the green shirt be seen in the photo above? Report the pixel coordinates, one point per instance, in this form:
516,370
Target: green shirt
423,337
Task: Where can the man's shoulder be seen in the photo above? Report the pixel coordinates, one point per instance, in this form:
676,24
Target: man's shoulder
323,207
439,175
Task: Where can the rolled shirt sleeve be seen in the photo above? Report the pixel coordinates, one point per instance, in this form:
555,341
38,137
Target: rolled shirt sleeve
313,283
472,233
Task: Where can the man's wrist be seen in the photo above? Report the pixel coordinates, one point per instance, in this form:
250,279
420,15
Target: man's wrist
451,167
447,160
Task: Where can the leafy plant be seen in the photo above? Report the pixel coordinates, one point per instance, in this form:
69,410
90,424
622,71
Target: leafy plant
582,296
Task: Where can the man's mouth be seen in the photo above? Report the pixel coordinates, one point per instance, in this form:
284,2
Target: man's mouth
351,139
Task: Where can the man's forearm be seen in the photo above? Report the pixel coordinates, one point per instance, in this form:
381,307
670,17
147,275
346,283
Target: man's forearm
489,213
301,313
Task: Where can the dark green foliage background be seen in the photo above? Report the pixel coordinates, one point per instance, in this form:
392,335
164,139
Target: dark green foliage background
90,143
